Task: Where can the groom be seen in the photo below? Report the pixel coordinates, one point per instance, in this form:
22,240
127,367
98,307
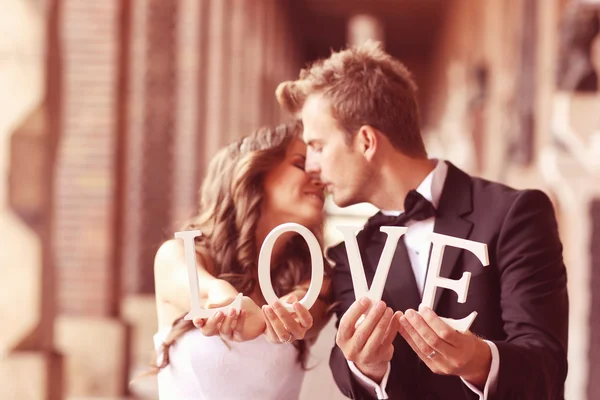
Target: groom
361,125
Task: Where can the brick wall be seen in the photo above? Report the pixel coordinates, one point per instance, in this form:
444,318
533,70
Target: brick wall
159,124
186,139
84,182
134,148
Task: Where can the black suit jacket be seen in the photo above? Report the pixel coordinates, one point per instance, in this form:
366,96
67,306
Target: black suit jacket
521,297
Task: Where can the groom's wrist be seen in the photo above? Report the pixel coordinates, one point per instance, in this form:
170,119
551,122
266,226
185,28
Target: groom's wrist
479,368
375,372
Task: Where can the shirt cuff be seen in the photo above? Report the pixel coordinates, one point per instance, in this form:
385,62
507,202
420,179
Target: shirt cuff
492,380
369,384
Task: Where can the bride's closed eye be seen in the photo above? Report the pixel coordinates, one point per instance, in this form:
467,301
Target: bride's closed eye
300,162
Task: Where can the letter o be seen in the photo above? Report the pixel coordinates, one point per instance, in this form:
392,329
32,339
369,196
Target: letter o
264,265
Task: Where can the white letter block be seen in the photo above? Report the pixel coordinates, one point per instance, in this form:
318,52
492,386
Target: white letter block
357,270
461,286
190,257
264,265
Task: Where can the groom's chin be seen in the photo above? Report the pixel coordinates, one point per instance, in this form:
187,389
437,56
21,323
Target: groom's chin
342,201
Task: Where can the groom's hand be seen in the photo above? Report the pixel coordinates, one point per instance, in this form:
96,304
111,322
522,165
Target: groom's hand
368,344
445,350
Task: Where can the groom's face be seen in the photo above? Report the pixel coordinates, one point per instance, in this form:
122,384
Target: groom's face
342,169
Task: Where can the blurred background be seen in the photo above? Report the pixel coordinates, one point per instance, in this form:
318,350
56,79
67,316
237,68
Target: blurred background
110,110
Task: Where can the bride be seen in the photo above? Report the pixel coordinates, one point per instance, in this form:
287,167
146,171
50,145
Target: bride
251,187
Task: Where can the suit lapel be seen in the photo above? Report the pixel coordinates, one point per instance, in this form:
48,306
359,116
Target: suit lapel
455,204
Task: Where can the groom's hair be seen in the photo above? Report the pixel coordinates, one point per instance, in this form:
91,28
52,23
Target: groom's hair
366,86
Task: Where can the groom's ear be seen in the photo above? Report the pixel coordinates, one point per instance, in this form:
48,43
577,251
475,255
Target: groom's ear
367,141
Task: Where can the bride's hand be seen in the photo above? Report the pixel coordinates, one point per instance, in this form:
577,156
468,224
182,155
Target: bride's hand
219,294
246,325
283,326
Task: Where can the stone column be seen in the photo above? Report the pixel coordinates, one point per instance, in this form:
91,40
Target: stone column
238,105
215,130
152,143
88,198
255,54
159,126
30,366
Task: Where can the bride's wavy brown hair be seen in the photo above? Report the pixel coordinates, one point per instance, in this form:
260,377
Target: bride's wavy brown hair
231,198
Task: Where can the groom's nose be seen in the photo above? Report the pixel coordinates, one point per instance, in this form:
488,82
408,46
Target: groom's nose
312,165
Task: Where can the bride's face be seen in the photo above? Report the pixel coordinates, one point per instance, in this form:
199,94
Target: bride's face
291,195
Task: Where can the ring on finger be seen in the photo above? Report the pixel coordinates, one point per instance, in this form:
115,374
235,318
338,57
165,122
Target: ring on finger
432,354
289,339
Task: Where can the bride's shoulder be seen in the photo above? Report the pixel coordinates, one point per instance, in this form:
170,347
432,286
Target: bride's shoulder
170,256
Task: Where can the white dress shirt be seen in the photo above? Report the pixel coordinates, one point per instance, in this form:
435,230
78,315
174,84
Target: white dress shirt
417,244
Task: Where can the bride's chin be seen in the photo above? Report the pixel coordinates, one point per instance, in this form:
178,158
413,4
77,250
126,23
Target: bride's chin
309,222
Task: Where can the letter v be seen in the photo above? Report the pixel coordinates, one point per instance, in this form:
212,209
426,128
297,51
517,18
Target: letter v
357,270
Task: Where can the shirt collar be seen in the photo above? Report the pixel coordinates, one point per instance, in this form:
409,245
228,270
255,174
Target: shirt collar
431,187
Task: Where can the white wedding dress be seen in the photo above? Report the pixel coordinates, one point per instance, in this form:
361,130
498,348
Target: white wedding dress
207,368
